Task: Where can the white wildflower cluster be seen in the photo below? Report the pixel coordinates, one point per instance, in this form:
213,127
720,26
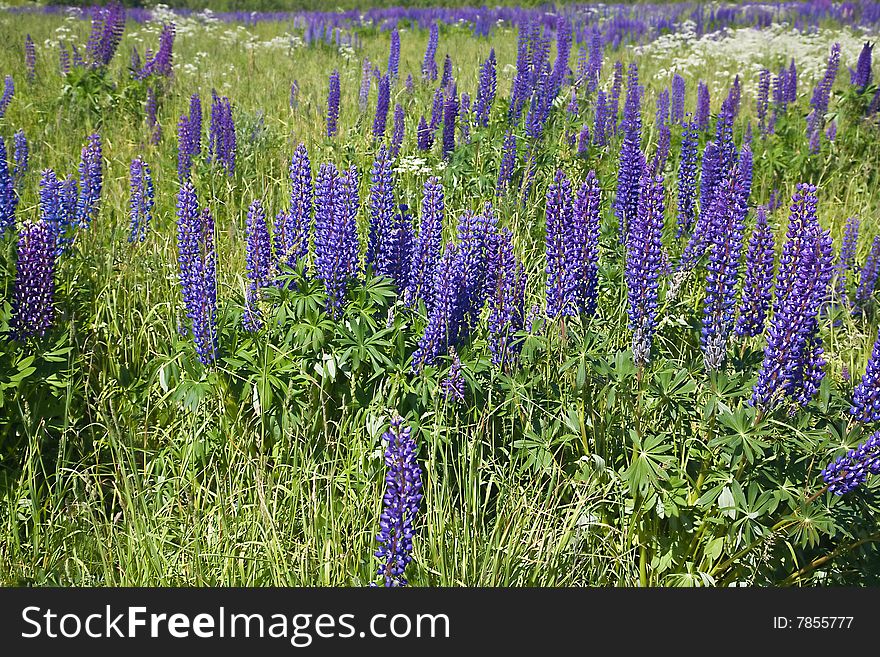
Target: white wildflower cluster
347,52
412,164
717,57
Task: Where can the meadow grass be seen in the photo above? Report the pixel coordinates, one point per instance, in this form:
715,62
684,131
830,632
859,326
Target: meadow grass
149,473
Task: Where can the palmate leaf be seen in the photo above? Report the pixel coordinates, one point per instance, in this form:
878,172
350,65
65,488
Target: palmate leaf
650,464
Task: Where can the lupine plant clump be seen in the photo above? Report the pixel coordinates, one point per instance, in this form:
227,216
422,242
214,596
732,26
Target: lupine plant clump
609,272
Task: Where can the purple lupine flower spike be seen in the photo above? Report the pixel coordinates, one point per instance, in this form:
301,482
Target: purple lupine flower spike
259,260
452,385
630,172
506,302
294,231
381,119
33,294
152,121
30,58
198,271
63,59
90,181
403,495
8,195
867,278
450,114
584,254
333,104
866,397
8,93
20,157
336,245
614,101
724,244
687,180
757,291
644,254
446,315
793,364
846,259
398,131
559,218
426,253
366,83
508,160
702,115
141,199
485,91
446,77
678,93
394,56
599,126
429,65
384,247
863,76
850,471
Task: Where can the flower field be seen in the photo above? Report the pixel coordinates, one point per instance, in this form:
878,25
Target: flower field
575,296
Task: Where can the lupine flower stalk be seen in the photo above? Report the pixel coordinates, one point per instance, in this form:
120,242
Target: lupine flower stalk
629,173
398,132
8,195
687,180
644,259
450,113
757,292
19,157
508,160
366,83
601,122
867,278
259,261
198,271
394,56
429,65
863,76
452,385
678,93
850,471
506,302
293,234
559,218
8,93
141,198
793,358
30,58
333,104
614,100
485,91
847,257
583,255
90,181
724,245
33,294
382,103
426,252
702,115
384,249
403,495
336,243
445,316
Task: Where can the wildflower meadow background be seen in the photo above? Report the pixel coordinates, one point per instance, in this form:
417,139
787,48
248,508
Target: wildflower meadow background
440,296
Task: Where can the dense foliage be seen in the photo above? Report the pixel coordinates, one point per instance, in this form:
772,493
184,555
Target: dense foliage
483,296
